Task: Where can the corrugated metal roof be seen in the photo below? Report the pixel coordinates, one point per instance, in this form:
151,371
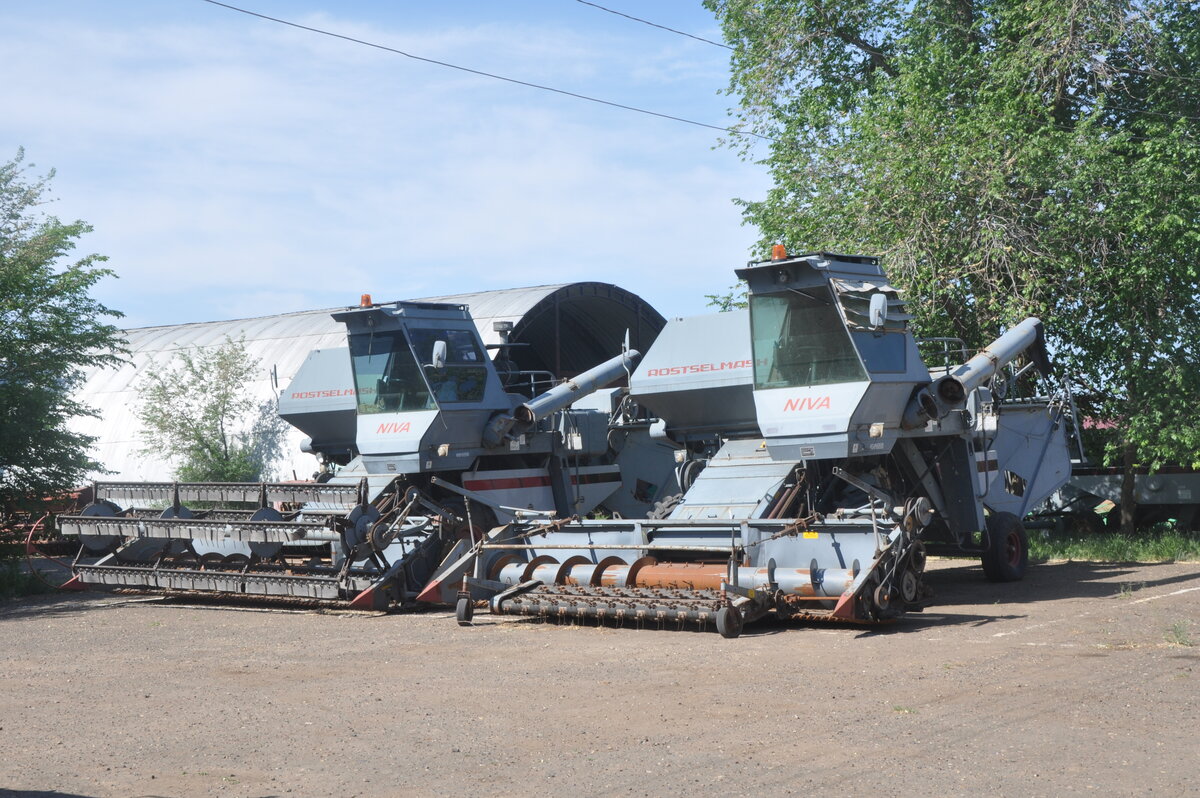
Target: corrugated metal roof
572,325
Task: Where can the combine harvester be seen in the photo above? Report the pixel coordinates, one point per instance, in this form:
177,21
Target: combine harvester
821,459
415,410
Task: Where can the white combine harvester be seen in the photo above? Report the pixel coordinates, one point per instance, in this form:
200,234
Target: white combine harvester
438,439
821,458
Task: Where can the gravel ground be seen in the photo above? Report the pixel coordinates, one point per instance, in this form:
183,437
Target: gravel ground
1079,679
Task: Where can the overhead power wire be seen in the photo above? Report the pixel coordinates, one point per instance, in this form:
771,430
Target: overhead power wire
493,76
656,25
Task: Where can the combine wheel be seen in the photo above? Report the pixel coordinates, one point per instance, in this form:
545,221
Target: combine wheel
729,622
1007,553
464,611
665,507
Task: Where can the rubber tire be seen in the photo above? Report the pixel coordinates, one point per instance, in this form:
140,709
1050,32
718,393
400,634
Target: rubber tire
1084,523
464,611
729,622
665,507
1007,555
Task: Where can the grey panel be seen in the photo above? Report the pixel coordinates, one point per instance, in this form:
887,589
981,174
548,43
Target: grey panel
737,483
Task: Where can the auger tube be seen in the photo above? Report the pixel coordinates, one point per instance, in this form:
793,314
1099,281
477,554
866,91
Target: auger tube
572,390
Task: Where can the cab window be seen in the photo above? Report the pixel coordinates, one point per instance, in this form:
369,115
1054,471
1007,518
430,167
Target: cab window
386,375
464,376
799,340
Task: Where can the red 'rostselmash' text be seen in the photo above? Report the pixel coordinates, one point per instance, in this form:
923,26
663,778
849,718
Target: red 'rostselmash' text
327,394
806,403
393,427
699,368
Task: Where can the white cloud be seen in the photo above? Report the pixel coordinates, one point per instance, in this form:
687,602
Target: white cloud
233,167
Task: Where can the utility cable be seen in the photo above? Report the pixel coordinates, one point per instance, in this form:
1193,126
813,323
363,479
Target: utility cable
491,75
656,25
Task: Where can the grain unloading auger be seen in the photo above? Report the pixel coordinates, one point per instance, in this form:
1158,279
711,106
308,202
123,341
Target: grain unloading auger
820,463
412,411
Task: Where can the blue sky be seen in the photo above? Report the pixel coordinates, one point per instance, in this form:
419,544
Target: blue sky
234,167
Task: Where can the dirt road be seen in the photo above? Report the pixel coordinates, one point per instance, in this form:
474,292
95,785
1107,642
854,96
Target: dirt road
1078,680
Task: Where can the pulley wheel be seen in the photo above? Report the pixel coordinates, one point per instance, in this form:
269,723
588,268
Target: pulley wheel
883,598
909,585
916,559
356,527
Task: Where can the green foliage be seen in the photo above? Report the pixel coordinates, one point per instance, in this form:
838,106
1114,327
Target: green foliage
1005,159
736,299
50,330
15,581
1179,634
198,411
1161,544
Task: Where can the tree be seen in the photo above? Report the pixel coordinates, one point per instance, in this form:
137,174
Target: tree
1006,159
51,328
735,299
198,411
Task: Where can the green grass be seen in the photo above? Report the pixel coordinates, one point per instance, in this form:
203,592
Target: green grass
1159,544
1178,634
14,579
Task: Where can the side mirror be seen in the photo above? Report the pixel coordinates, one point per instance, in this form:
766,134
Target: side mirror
439,354
879,311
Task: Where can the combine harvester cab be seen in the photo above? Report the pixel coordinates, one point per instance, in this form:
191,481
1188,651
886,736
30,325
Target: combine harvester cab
432,445
821,459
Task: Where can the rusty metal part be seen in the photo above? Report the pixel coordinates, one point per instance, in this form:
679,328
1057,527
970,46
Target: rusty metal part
693,576
659,606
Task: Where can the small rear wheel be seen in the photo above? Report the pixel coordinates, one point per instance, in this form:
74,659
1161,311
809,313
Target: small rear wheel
464,611
1007,553
729,622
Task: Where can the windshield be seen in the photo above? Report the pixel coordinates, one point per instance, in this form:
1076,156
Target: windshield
799,340
386,375
464,376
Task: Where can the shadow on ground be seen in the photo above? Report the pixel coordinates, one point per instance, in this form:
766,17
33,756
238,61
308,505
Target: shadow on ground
39,794
65,602
954,586
965,584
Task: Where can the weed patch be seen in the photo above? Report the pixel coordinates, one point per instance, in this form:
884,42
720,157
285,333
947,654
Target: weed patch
1161,544
14,579
1179,634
